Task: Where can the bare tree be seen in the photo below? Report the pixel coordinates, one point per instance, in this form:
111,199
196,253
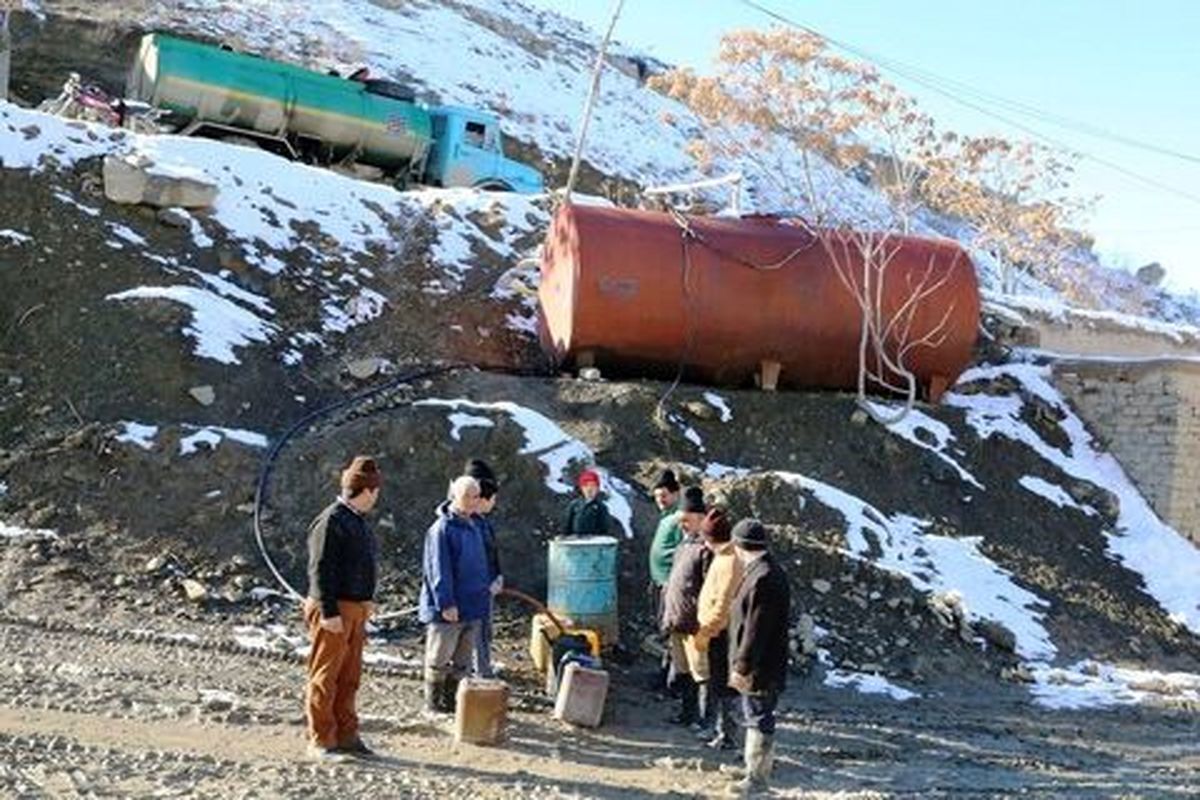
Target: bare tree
1016,198
801,117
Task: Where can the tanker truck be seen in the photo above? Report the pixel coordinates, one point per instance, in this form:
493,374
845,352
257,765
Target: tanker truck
206,90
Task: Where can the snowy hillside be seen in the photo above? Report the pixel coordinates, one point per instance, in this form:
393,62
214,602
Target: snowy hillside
272,212
311,260
533,68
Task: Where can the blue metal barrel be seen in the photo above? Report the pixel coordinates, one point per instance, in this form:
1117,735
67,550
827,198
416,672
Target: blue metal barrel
582,582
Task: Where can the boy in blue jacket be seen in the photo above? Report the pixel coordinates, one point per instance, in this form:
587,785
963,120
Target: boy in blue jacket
455,593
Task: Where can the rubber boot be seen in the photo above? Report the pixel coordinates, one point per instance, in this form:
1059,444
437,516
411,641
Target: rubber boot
688,701
723,735
450,695
433,697
759,757
707,702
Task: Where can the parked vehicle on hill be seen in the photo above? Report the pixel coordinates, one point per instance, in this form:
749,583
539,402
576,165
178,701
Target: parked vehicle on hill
323,118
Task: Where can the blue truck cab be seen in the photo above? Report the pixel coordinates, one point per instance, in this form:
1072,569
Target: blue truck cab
468,150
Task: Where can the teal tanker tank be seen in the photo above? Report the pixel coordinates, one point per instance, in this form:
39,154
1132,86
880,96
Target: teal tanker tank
322,118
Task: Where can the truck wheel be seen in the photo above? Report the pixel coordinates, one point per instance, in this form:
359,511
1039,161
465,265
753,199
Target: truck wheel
494,186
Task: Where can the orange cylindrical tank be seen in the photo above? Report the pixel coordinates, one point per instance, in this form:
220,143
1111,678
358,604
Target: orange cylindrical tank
642,292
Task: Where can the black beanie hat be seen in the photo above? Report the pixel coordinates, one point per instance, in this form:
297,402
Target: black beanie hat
693,500
749,534
667,481
478,469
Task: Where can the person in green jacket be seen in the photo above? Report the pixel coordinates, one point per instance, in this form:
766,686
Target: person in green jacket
667,537
668,534
588,515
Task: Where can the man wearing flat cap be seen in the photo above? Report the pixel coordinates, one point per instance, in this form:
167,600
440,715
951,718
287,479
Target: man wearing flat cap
758,646
342,570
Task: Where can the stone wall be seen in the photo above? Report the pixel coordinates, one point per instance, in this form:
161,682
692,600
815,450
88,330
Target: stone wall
1148,416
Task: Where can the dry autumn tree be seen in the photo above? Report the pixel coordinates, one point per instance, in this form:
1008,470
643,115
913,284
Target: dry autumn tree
1016,198
802,117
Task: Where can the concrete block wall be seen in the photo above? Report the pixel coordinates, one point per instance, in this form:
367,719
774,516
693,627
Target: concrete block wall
1148,415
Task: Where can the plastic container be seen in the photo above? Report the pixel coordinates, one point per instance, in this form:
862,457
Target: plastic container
582,583
481,714
582,693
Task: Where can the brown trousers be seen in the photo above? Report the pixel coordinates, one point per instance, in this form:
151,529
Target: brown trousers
334,670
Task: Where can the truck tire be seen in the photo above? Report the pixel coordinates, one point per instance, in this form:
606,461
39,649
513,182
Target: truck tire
396,91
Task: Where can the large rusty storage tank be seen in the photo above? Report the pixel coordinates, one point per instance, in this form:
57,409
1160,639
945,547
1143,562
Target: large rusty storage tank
642,292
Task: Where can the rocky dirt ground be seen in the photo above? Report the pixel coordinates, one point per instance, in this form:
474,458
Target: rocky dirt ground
89,709
119,671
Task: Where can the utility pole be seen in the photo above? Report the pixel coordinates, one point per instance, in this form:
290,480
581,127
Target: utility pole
5,52
590,104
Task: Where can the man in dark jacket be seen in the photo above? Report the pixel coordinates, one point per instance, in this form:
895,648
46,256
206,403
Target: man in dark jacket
680,598
455,593
588,515
489,487
341,587
758,646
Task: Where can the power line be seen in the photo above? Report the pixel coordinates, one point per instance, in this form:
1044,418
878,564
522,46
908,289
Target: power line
935,83
894,65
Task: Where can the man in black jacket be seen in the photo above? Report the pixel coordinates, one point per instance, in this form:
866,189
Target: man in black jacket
680,598
758,646
342,559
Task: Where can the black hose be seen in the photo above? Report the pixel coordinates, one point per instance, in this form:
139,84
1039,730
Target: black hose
264,475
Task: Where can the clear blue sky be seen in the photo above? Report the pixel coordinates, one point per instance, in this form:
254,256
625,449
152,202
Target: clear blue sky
1131,68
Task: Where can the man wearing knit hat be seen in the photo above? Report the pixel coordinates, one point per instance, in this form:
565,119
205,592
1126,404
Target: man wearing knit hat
667,537
680,599
489,487
588,515
709,645
758,646
342,570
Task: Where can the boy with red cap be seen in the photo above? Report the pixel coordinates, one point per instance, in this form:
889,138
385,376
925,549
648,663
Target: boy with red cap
342,571
588,515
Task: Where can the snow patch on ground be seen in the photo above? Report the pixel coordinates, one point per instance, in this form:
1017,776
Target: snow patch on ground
460,421
136,433
1088,684
929,434
1167,562
720,404
717,471
218,325
63,197
14,237
867,684
210,437
8,531
468,220
1054,493
934,563
556,449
